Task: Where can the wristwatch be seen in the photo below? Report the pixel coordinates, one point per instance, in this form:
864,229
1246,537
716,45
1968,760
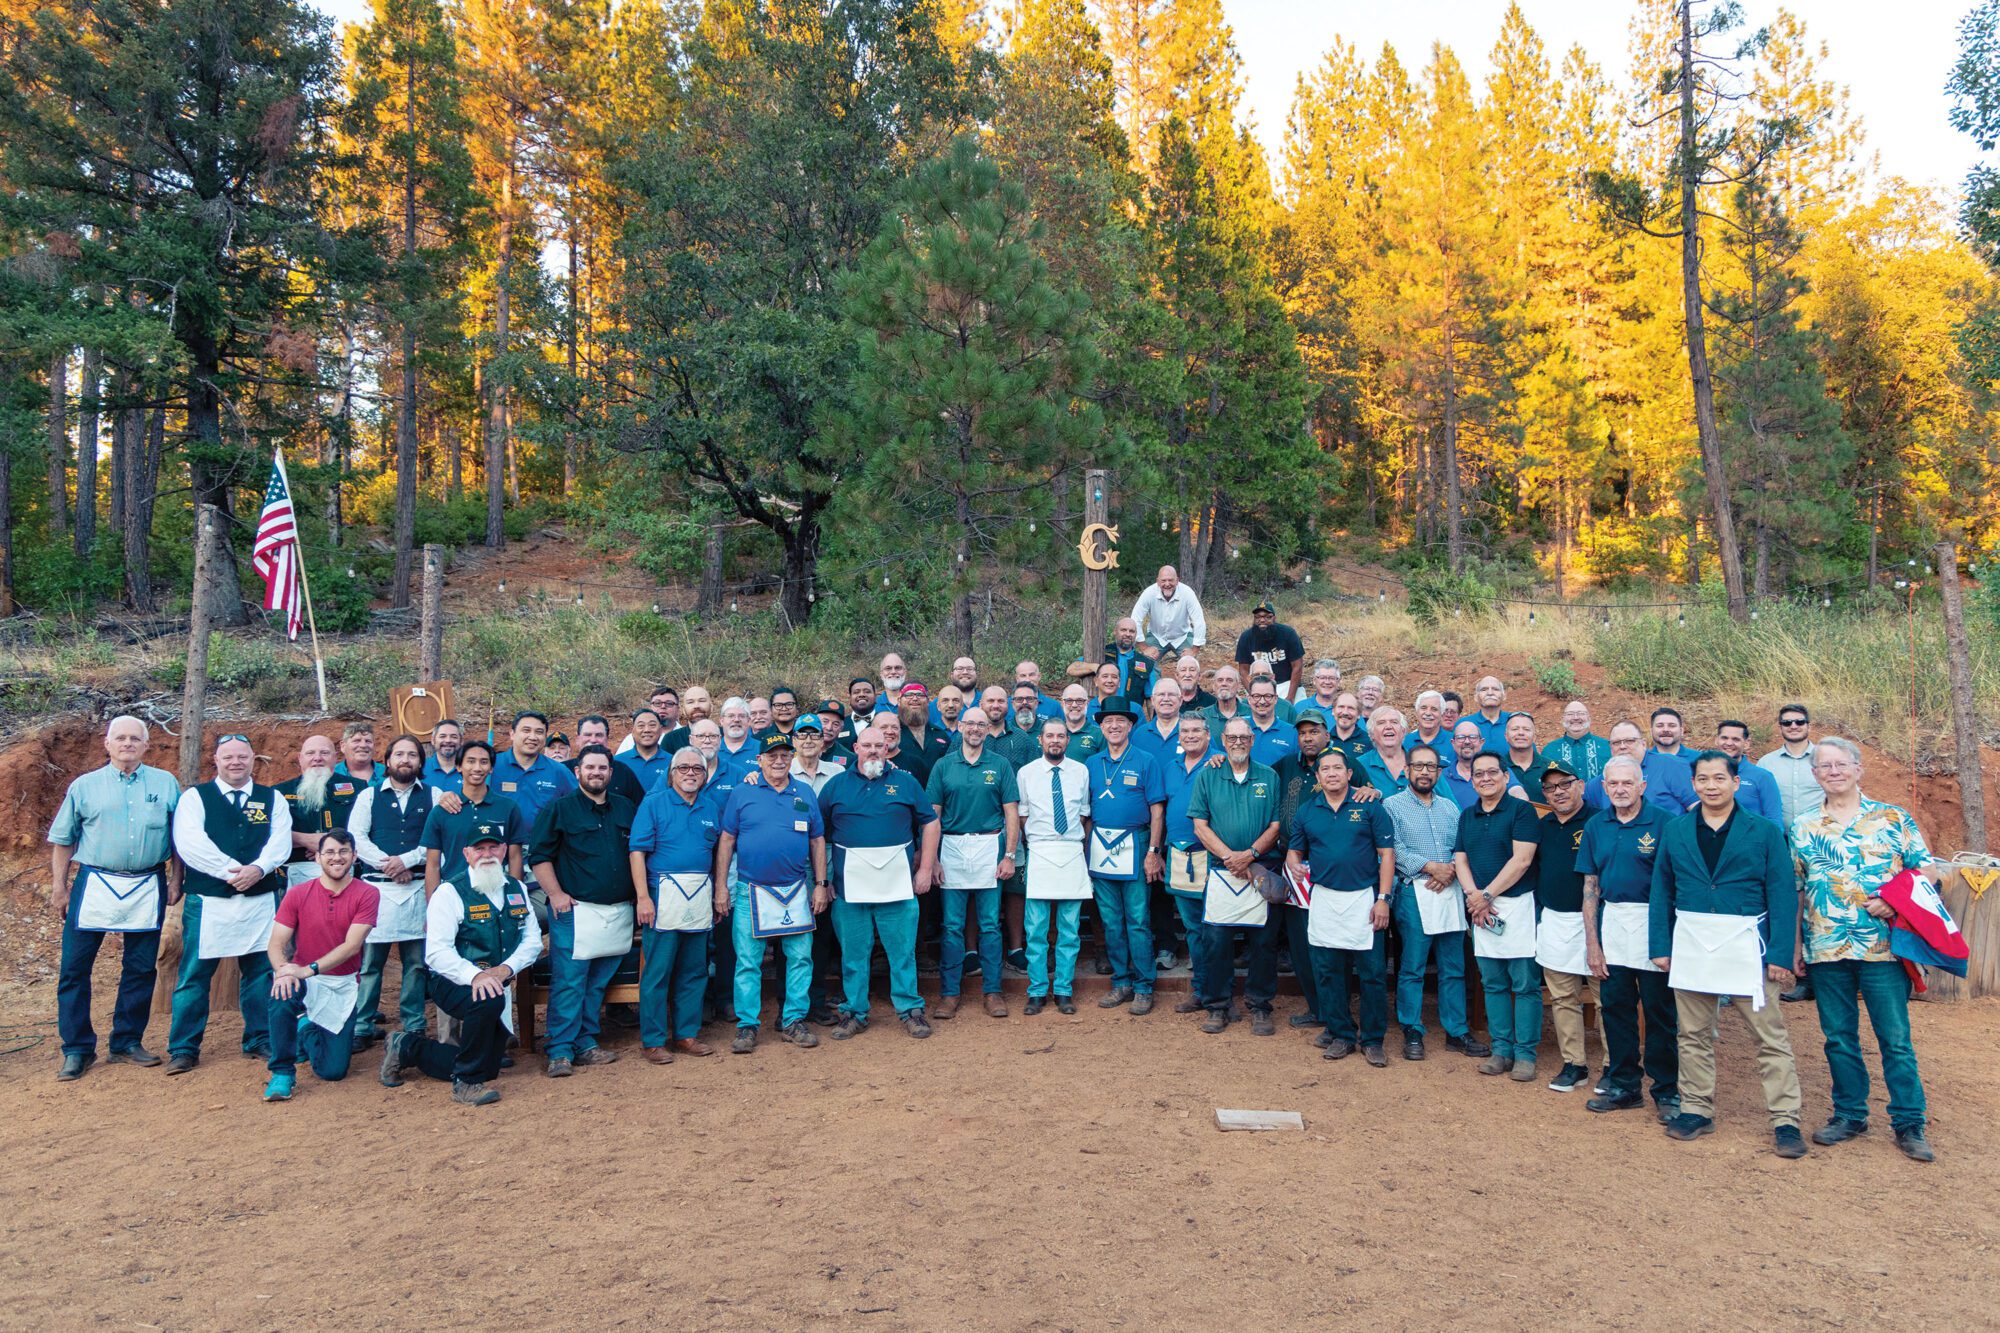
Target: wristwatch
313,968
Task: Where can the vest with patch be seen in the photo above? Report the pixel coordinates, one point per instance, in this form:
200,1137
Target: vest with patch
238,835
488,935
397,831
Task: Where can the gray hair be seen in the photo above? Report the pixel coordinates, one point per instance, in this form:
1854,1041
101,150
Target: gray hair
1625,761
1430,694
1366,681
734,701
1386,710
1327,664
145,733
688,757
1165,682
1840,743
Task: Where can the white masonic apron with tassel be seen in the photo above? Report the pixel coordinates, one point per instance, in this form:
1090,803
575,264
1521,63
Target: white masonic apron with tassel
969,861
1516,936
882,874
684,901
1559,944
110,901
1187,870
1625,933
1718,954
1114,853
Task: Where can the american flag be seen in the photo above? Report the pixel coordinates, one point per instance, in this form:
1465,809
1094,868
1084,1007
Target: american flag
275,553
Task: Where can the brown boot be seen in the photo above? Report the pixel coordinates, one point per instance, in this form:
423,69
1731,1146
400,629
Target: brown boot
692,1046
995,1006
658,1055
946,1007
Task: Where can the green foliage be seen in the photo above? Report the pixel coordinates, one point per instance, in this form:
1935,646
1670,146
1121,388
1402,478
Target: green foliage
49,577
1437,595
1556,677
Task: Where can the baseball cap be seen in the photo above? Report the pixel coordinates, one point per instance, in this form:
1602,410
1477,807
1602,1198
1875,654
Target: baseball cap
1557,766
808,722
486,833
776,741
833,706
1263,607
1312,715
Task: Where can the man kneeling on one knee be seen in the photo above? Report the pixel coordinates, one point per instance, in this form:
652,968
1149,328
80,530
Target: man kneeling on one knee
315,953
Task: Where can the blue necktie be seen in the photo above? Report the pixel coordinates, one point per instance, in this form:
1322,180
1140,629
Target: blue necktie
1061,816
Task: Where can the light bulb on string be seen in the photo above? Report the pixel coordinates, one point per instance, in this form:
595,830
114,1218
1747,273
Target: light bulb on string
1235,553
1753,613
350,571
1607,617
1458,612
1531,615
885,580
1031,525
579,597
1309,577
732,606
656,608
1381,596
811,596
1163,525
1826,603
503,585
1682,619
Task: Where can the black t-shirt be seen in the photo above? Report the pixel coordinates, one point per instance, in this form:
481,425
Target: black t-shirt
1279,645
1558,888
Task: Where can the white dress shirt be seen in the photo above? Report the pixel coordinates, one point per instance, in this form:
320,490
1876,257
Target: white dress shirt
197,850
441,920
1038,800
1170,621
362,817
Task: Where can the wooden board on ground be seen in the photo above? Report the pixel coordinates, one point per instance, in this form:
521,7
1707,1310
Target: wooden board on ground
1257,1120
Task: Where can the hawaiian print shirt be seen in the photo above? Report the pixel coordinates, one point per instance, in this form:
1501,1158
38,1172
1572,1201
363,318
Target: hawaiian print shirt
1839,867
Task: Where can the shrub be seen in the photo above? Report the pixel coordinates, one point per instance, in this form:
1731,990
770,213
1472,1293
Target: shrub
1437,594
1557,678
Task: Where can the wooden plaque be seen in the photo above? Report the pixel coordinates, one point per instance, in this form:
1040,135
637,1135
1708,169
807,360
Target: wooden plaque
417,709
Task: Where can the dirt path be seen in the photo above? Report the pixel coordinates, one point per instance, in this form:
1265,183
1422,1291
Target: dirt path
1026,1173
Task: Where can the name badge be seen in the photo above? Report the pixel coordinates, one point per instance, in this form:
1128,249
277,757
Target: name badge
1131,779
507,786
800,826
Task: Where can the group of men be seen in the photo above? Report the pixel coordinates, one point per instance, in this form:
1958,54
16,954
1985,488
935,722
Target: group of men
1256,816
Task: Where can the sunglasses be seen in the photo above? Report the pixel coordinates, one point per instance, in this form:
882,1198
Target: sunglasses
1792,722
233,736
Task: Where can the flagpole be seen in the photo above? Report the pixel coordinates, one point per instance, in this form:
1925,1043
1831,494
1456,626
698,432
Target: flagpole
305,584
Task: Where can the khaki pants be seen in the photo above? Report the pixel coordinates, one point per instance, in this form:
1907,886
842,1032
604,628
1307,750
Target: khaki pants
1779,1072
1567,996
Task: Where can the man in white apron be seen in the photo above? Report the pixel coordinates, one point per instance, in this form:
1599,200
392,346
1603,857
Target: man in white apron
973,792
111,872
315,951
1497,838
1560,940
1186,877
672,858
1347,847
1724,921
1055,822
234,836
388,827
1616,861
1127,838
1429,907
882,835
580,854
1234,811
1298,782
480,935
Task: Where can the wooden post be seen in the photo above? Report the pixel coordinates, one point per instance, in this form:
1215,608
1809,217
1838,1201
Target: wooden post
1964,727
708,597
430,638
1096,509
194,690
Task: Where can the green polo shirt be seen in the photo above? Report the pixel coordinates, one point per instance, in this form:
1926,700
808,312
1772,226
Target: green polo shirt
1082,744
1238,810
969,796
1488,839
1340,846
1015,746
447,833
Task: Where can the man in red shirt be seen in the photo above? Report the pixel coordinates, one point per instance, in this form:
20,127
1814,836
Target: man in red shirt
315,961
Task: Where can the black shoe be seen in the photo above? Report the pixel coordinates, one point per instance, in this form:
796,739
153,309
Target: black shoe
1305,1021
1616,1101
1802,991
1284,965
824,1015
1035,1005
1787,1142
134,1055
1471,1047
1686,1127
1065,1004
260,1050
970,964
1838,1130
1017,959
1569,1078
73,1066
1413,1048
361,1042
1603,1087
1103,966
180,1064
1217,1021
1914,1145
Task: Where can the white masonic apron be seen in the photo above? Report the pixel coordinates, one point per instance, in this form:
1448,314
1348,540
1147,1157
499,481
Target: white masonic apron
330,1001
401,913
601,930
1517,937
1718,954
882,874
1338,918
1057,872
1559,943
1626,932
1114,853
684,902
1439,913
1232,900
1187,871
109,901
233,926
969,861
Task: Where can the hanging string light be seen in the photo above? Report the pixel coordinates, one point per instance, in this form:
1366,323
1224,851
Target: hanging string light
1531,615
656,608
1682,619
732,606
503,586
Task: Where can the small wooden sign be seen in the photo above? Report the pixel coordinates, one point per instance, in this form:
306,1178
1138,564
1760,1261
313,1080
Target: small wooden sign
417,709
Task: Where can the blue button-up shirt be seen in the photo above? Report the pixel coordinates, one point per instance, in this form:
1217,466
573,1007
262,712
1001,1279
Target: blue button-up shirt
1757,792
773,831
117,821
1424,832
1669,784
1798,790
676,834
1270,744
532,787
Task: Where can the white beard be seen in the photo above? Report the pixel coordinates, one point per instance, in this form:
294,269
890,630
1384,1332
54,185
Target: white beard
873,768
312,787
487,876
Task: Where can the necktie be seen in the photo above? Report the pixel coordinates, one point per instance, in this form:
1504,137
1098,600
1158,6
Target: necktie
1061,815
237,798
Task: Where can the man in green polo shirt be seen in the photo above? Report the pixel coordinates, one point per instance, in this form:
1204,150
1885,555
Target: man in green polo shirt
447,831
1235,814
1085,740
978,806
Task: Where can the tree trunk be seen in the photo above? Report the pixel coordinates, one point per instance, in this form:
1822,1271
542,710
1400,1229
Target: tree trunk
142,473
1096,509
59,445
126,423
708,598
1454,518
210,478
1562,535
1760,547
6,533
1694,551
455,455
1218,549
430,639
570,409
209,542
1964,725
497,450
406,398
341,438
89,402
1874,536
802,542
1715,472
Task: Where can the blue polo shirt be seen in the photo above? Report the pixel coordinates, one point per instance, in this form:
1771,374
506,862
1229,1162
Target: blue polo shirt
1270,744
650,772
1622,855
530,788
677,835
773,831
1340,845
1461,790
1377,774
1669,784
889,811
741,762
1178,782
1123,791
1493,735
1757,791
438,780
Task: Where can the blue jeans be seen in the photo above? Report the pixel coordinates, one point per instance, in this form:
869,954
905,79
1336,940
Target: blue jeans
1067,915
671,985
1840,989
1513,1006
576,991
858,926
190,1019
1331,969
1189,906
410,1004
141,958
1128,931
798,951
1216,979
327,1052
986,902
1417,949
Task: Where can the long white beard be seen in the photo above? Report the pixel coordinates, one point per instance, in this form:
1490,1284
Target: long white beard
487,876
873,768
312,787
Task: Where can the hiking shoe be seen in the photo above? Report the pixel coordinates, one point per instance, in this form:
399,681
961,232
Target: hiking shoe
133,1055
1470,1047
798,1034
995,1006
73,1066
1914,1145
279,1089
1497,1064
1616,1101
823,1014
1164,959
746,1041
691,1046
1687,1127
362,1041
1413,1048
1524,1070
180,1064
1114,997
1787,1142
1838,1130
1338,1048
1035,1005
1065,1004
1306,1020
1324,1038
914,1024
472,1094
1142,1003
596,1055
946,1007
850,1027
1374,1054
1217,1021
1189,1005
392,1059
1569,1078
559,1067
1603,1086
1667,1108
1262,1024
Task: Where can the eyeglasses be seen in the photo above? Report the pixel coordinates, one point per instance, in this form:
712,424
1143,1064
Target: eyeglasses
1792,722
1421,767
